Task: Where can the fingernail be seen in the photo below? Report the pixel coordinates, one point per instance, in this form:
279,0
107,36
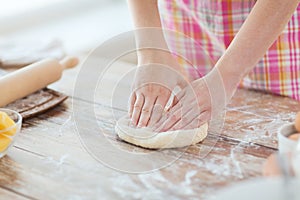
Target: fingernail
132,123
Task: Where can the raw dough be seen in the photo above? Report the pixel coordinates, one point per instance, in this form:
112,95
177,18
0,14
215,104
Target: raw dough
144,137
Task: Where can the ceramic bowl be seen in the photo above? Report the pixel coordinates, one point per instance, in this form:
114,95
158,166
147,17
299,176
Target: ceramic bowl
9,139
286,145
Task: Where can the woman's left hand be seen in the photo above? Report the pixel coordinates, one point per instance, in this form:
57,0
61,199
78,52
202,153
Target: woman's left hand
197,104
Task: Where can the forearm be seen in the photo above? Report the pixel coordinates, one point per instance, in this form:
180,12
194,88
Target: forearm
145,13
147,21
262,27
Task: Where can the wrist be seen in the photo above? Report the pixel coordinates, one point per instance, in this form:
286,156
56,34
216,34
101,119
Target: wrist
164,58
148,56
223,83
152,37
231,72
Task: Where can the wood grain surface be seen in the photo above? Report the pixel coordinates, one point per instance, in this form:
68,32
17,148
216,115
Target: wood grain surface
49,160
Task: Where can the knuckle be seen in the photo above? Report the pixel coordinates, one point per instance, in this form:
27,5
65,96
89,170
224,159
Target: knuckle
138,104
150,88
145,114
163,90
147,90
149,94
145,110
167,93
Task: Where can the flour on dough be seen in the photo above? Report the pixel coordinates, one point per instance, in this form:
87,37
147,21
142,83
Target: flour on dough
146,138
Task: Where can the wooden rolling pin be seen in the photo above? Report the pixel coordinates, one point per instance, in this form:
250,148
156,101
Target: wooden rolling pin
32,78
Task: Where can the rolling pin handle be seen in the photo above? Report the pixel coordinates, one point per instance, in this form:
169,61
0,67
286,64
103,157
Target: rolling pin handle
69,62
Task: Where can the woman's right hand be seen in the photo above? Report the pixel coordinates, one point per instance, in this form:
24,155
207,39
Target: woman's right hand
158,73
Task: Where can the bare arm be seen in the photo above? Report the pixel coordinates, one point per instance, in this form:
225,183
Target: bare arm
151,89
262,27
145,15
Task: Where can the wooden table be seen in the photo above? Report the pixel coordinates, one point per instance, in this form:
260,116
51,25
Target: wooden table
48,160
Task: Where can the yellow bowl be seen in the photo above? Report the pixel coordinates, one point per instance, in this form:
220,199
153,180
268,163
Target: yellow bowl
6,138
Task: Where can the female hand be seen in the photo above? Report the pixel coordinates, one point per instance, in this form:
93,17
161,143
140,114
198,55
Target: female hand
156,76
198,103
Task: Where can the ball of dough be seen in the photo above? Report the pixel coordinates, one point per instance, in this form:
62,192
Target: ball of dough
146,138
297,122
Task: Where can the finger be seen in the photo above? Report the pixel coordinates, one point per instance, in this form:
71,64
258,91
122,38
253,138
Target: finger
199,121
146,111
137,109
186,119
174,102
180,97
132,100
158,110
173,119
186,114
178,108
176,97
167,115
